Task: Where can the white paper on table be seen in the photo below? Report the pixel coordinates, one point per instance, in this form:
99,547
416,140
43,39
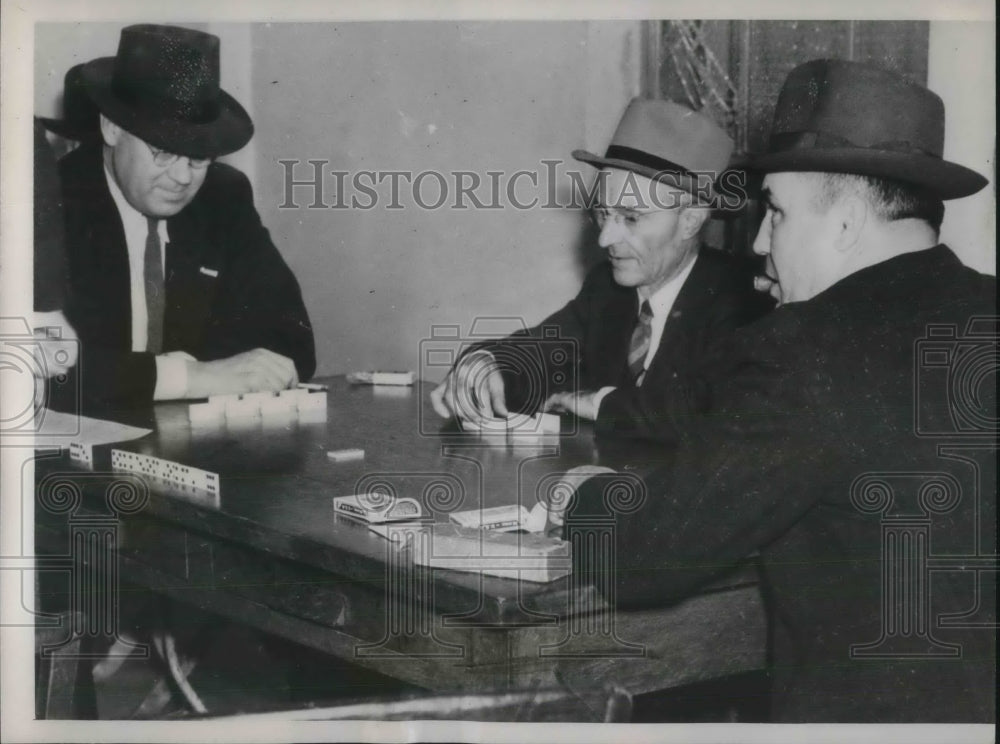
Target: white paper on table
60,429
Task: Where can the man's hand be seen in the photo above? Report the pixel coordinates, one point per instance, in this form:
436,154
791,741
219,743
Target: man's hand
582,405
56,354
252,371
472,391
561,494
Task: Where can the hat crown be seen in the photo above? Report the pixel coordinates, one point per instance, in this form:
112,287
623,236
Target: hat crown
839,103
171,72
674,134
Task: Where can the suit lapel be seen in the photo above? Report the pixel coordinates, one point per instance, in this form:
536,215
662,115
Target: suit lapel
105,280
615,335
189,282
696,292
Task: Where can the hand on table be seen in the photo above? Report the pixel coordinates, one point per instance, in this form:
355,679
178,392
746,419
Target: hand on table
582,405
253,371
59,348
472,391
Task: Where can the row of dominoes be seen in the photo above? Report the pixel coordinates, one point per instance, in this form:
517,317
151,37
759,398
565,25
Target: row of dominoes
517,424
167,470
307,404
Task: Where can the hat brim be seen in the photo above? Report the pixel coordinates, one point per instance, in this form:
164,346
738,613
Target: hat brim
944,179
705,194
68,129
228,132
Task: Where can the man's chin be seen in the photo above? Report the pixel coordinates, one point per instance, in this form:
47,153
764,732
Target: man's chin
624,278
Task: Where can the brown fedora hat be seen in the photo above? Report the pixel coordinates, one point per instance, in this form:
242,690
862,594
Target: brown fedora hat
163,87
668,142
836,116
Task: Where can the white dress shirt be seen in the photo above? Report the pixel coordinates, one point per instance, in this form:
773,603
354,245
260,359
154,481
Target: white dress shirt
171,368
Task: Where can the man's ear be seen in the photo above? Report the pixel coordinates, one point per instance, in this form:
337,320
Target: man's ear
110,131
692,217
852,213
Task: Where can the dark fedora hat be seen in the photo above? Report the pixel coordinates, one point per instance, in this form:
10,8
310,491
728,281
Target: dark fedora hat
163,87
79,120
837,116
668,142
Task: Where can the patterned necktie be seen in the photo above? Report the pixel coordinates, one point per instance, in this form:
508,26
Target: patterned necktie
639,346
152,274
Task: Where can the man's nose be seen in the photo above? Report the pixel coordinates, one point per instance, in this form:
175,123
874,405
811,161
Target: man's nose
180,171
762,243
611,233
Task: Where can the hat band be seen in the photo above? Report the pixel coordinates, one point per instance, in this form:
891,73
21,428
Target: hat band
821,140
639,157
195,111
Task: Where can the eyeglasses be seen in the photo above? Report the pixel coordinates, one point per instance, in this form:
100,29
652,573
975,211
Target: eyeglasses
628,217
164,159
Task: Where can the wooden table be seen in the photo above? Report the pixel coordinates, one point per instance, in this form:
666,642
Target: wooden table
272,554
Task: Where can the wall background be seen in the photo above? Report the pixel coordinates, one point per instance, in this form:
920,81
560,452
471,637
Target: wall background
490,96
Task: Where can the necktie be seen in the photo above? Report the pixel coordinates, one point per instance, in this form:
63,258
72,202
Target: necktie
639,346
152,274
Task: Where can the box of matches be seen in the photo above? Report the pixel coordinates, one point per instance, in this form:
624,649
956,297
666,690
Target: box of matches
375,508
498,518
530,557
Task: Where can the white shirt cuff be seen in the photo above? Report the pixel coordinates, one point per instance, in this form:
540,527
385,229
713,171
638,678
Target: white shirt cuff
599,398
172,375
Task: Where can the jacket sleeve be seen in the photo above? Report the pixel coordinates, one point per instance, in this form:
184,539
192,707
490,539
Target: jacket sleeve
737,479
546,358
261,304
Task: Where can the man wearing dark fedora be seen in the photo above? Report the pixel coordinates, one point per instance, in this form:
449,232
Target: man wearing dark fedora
176,289
852,438
643,316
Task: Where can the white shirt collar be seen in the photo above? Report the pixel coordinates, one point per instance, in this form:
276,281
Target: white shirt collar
662,300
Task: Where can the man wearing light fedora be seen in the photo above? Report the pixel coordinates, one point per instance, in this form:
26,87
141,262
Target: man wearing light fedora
176,289
853,431
643,316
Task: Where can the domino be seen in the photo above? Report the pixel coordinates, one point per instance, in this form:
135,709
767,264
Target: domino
508,555
82,454
381,378
542,423
240,407
308,400
166,470
206,414
346,455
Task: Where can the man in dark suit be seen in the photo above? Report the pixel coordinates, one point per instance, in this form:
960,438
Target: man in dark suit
643,316
853,432
176,289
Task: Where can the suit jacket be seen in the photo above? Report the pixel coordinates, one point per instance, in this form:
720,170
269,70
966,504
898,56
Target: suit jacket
584,346
830,421
228,290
